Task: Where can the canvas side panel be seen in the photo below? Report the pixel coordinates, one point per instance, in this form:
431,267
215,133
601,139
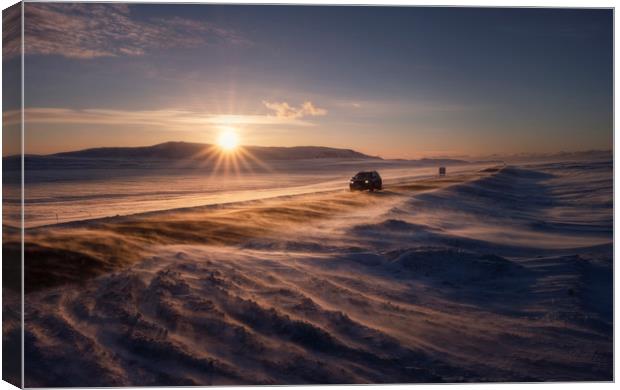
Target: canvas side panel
12,195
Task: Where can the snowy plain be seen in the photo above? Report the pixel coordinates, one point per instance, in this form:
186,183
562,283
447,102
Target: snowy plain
492,273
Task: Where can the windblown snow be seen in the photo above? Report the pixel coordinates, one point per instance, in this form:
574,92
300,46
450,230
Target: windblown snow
489,274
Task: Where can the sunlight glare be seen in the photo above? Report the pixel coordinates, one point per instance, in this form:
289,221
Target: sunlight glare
228,140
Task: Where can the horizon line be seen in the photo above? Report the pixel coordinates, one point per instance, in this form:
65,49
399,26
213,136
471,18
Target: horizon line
490,155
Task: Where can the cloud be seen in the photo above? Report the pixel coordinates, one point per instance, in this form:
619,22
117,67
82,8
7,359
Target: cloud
284,110
79,30
11,31
165,118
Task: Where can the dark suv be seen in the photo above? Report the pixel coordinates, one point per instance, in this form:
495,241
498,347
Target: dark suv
366,181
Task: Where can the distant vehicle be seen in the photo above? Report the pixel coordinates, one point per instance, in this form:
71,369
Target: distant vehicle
442,171
366,181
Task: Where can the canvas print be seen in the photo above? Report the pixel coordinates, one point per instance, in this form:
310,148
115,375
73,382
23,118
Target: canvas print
210,194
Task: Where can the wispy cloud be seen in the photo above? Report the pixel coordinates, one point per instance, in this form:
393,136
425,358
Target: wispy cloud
285,110
106,30
11,31
165,118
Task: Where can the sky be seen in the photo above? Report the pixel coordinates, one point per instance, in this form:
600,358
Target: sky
399,82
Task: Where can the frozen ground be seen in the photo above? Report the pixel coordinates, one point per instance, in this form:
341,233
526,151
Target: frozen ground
490,274
83,192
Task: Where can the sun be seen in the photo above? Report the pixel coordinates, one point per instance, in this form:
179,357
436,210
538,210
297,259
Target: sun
228,140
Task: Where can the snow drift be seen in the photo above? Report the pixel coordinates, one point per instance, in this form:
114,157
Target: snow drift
499,274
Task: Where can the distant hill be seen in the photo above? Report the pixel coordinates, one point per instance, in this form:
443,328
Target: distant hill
193,151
